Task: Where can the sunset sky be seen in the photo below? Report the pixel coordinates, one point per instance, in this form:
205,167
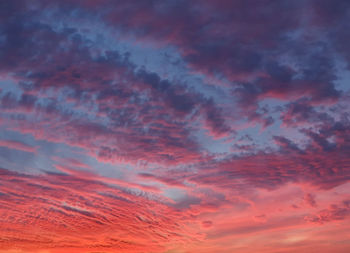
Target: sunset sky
175,126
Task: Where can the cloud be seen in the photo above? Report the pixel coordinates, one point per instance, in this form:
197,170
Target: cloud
310,200
53,210
321,163
148,114
18,146
332,213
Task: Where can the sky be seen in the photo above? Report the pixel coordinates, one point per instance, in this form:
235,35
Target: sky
174,126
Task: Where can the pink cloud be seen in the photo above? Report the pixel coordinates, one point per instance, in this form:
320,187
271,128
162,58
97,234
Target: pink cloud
11,144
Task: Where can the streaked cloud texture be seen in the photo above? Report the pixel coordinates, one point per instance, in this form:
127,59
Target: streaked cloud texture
175,126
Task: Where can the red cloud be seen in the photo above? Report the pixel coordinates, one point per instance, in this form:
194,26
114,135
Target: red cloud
61,211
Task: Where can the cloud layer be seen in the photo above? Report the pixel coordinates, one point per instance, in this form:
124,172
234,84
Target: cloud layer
174,126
